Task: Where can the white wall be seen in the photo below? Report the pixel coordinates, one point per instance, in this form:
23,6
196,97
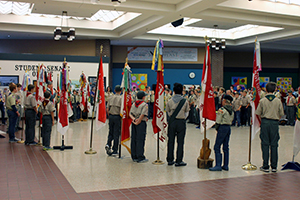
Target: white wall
16,67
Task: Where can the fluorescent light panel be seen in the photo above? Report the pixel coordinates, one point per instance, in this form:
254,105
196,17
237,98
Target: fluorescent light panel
106,15
17,8
296,2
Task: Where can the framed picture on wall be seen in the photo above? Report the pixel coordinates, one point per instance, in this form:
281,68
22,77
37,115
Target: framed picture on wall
5,80
93,81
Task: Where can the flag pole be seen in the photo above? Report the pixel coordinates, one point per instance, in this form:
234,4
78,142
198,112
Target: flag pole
250,166
91,151
40,119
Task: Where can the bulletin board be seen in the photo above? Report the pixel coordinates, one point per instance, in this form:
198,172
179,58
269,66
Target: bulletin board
241,81
263,81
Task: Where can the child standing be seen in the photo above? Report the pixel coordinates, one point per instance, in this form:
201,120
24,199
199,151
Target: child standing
236,105
270,110
223,122
47,110
138,114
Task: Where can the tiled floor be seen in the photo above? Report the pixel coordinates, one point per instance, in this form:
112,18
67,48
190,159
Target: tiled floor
27,172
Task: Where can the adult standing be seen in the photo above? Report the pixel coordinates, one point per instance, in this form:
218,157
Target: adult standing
177,108
12,113
244,109
2,109
270,110
19,99
30,113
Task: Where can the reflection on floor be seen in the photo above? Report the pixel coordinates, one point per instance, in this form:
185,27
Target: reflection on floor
100,172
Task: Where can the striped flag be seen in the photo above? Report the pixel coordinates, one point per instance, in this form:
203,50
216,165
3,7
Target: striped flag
255,92
63,120
100,105
125,108
159,122
26,81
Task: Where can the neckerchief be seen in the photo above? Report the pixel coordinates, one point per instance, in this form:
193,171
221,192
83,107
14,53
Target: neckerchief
138,103
270,97
45,103
28,93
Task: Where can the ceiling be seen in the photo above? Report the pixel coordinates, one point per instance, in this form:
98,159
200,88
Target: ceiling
276,25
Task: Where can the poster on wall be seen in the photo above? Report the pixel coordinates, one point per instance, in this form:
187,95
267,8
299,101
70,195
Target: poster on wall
139,81
241,81
6,80
263,81
75,84
284,83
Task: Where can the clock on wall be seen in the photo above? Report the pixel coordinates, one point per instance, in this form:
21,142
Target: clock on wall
192,75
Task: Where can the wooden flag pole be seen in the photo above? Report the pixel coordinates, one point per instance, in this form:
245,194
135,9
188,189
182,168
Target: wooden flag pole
91,151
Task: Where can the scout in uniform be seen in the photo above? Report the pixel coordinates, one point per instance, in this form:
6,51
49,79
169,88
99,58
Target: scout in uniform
192,100
244,109
138,113
114,110
2,100
221,95
270,111
236,106
47,110
50,89
151,105
74,100
19,98
177,108
30,116
290,108
223,122
12,112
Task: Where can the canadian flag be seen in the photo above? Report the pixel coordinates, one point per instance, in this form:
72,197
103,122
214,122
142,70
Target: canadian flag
207,100
101,111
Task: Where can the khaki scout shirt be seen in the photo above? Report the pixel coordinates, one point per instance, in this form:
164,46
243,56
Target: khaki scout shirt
19,97
30,102
192,99
10,101
138,111
262,94
75,98
290,101
147,98
152,98
245,100
167,97
270,109
224,117
236,103
114,104
46,110
171,106
108,95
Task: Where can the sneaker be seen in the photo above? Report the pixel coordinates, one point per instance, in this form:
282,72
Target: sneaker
264,169
1,136
47,148
115,154
180,164
171,163
13,140
108,151
20,128
33,143
135,160
274,170
143,161
225,168
197,127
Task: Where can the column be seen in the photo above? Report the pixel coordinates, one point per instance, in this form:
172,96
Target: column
217,67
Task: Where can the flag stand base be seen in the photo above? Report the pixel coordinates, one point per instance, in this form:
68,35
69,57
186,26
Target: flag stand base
291,165
90,151
204,163
21,141
158,162
80,119
62,147
249,166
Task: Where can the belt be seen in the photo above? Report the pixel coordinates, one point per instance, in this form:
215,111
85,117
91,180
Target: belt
271,119
291,106
29,108
114,115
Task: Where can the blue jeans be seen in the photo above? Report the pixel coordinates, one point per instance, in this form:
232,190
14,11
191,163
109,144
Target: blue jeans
223,136
237,118
12,118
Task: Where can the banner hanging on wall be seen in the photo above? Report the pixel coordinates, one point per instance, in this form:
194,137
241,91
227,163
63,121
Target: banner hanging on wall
139,81
241,81
263,81
284,83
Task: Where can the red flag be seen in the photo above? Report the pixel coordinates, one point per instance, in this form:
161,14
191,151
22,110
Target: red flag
255,93
63,120
126,120
101,114
207,100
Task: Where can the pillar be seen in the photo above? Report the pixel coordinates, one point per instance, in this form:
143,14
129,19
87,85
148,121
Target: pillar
217,67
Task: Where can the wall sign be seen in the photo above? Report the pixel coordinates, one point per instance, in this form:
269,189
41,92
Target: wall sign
169,54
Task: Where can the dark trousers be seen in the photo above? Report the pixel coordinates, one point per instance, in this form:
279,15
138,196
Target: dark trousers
12,119
74,105
150,111
138,137
114,131
78,112
2,112
244,114
223,137
290,110
19,108
269,135
192,114
176,129
46,130
237,118
30,126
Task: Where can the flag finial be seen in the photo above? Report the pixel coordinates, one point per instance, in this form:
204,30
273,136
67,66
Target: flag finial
65,59
101,48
